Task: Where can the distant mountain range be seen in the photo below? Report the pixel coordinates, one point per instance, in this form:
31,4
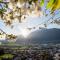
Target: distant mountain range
45,36
41,36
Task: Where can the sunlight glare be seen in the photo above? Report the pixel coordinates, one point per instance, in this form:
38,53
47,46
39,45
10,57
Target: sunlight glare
25,32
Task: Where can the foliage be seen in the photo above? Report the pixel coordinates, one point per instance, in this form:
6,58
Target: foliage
49,4
1,0
6,56
42,3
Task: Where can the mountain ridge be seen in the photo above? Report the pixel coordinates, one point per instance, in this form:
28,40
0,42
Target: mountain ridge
45,36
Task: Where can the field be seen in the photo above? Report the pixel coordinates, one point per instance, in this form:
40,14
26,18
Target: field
33,52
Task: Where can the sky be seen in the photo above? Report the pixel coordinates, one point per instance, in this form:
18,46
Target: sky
31,22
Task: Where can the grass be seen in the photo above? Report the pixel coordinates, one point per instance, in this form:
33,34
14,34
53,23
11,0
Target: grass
6,56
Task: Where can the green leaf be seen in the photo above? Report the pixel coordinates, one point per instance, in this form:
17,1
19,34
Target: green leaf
1,0
42,3
56,5
50,4
6,6
2,11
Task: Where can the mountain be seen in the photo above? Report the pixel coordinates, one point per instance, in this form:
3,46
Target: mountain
44,36
41,36
20,40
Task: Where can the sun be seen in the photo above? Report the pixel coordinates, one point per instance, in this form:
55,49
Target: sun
25,32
